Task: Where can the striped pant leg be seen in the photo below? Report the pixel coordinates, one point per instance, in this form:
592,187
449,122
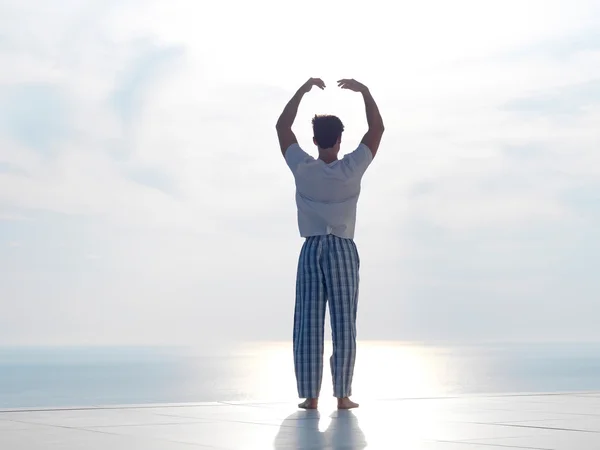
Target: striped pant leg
341,267
309,319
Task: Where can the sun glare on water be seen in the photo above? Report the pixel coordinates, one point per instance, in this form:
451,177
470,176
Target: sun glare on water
383,370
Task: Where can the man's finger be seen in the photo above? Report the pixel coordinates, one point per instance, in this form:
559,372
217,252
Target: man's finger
346,84
318,82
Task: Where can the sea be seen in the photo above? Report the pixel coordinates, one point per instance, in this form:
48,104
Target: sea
47,377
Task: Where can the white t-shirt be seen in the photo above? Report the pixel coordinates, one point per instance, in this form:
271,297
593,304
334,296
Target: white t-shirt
327,194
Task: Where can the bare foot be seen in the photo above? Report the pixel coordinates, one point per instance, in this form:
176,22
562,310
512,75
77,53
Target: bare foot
309,403
346,403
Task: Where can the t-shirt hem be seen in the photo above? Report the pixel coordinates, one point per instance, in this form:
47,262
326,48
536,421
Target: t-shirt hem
287,150
369,153
305,236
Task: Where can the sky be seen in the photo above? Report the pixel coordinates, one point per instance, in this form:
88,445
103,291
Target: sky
144,199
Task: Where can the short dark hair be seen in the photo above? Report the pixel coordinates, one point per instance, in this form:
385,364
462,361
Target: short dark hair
327,130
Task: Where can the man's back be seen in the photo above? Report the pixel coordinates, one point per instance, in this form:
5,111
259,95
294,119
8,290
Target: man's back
327,193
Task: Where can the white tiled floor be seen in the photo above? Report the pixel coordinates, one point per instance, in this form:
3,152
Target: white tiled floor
567,421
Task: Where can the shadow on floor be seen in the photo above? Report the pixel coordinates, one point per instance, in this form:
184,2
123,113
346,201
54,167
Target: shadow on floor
301,431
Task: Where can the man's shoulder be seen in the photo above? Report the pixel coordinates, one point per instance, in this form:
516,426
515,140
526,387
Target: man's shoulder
295,151
362,152
359,159
294,156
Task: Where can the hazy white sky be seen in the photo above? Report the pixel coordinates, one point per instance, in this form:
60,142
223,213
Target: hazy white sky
143,197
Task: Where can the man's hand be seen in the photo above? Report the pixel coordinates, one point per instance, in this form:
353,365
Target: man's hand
352,85
306,87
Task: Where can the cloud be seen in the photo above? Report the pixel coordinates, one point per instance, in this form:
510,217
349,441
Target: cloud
565,101
565,47
11,217
145,68
9,168
584,200
153,178
35,115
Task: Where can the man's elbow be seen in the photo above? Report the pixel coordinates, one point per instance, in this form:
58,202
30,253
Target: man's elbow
377,128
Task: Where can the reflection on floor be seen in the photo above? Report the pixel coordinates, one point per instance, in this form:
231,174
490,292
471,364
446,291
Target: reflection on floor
569,421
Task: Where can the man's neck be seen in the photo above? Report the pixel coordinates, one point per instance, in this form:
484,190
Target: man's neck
327,156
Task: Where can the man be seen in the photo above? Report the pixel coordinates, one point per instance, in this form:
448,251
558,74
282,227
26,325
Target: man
327,191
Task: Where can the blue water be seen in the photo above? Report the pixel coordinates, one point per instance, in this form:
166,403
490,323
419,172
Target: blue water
62,376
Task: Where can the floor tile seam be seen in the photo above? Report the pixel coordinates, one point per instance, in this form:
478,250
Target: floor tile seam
493,445
152,424
104,432
578,394
539,428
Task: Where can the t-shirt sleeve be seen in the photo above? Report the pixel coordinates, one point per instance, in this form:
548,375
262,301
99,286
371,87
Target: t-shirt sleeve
359,160
294,156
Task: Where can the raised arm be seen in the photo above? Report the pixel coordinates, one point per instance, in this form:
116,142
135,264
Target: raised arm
372,137
286,119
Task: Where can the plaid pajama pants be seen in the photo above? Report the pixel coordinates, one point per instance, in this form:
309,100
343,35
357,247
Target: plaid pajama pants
327,272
